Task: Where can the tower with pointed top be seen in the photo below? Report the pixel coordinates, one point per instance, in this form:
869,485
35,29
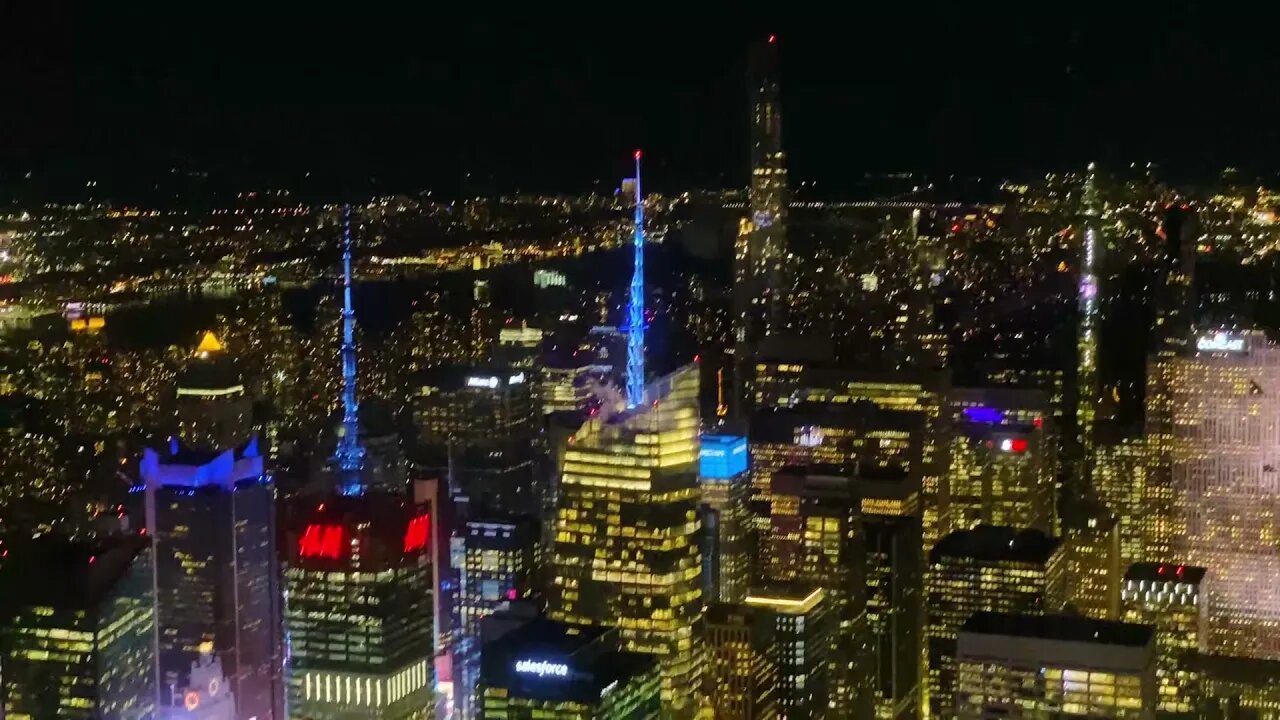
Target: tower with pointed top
635,306
349,456
1087,334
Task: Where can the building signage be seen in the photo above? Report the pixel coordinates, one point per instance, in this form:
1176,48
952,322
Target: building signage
542,668
485,382
321,541
417,534
1220,342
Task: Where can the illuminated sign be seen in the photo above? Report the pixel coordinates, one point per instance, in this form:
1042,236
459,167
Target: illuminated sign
515,379
323,541
542,668
722,456
1014,445
416,535
1220,342
983,415
485,382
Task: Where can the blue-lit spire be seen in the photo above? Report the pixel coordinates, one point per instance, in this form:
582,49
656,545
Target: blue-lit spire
635,308
349,456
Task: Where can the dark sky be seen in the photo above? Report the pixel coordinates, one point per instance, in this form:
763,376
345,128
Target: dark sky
551,100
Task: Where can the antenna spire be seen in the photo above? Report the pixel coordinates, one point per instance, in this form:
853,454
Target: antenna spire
349,455
635,308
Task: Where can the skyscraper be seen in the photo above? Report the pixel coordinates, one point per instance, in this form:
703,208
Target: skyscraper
213,520
761,257
994,569
725,495
803,629
1091,538
77,630
742,677
1087,332
214,412
499,559
625,552
1170,598
1212,500
359,598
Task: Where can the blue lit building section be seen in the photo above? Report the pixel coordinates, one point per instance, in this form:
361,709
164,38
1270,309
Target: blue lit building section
349,456
722,456
982,414
635,308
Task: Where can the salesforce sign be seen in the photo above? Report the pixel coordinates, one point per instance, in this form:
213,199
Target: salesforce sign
542,668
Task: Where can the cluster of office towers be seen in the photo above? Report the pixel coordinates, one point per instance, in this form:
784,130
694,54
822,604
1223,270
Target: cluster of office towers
864,545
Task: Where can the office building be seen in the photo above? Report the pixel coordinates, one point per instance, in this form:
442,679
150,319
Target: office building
214,412
1054,666
497,559
212,516
986,569
760,257
1171,598
544,669
1120,476
1236,687
206,696
1087,300
359,613
1213,501
818,541
803,630
725,496
894,575
359,608
1003,459
741,677
626,550
77,629
1091,539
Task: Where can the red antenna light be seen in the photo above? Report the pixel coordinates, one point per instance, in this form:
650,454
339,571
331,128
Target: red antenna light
638,154
773,39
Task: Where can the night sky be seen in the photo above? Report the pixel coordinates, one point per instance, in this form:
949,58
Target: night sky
387,99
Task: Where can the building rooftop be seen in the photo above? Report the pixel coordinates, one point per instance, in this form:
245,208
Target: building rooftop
1165,572
547,660
995,543
783,599
1070,628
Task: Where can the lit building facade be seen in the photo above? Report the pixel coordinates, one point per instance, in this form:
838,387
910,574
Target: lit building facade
77,630
1120,476
725,488
986,569
819,541
895,588
359,609
213,520
1236,687
1092,543
741,678
499,560
1172,599
544,669
803,631
1213,500
213,409
626,549
1054,666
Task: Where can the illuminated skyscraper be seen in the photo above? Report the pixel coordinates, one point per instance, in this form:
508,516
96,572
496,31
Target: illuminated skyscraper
999,473
213,520
1170,598
994,569
1120,477
626,551
741,677
77,630
819,541
499,558
1054,666
761,257
359,609
359,583
635,305
895,593
725,496
1213,498
1087,335
1091,538
803,629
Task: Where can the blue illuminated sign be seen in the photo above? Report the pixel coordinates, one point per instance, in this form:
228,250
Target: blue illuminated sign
722,456
983,415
